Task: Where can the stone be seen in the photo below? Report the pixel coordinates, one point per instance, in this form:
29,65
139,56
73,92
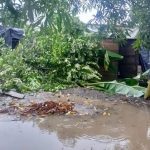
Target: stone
15,94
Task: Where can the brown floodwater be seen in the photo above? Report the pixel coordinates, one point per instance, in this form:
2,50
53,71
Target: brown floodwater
120,126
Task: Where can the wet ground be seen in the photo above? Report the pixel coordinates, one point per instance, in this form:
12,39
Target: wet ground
104,122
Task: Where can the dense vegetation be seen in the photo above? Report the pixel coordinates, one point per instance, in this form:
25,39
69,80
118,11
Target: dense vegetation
49,59
58,50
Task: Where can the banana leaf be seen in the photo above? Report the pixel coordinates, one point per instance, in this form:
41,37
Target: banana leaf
114,56
119,88
106,59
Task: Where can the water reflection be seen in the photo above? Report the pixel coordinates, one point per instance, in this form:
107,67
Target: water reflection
128,128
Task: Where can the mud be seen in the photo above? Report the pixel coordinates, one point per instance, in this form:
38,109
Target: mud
105,122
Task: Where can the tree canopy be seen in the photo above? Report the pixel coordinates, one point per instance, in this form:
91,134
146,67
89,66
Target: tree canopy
62,52
112,13
35,12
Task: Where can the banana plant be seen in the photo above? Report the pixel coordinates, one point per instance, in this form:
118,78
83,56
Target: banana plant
106,58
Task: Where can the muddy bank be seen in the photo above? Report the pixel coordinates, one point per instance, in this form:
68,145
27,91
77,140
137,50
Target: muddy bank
73,94
87,101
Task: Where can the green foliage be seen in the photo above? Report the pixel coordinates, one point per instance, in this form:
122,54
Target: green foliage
49,60
140,16
64,53
115,18
106,58
83,73
130,81
119,88
14,73
37,13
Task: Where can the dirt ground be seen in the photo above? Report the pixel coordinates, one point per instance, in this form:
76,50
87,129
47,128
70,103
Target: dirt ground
73,94
103,122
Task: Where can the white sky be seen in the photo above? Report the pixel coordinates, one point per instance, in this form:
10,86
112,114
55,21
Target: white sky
87,16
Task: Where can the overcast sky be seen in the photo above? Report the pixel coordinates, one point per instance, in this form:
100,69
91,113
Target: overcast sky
85,17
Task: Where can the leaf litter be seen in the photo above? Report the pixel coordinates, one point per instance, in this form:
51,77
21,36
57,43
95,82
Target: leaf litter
41,109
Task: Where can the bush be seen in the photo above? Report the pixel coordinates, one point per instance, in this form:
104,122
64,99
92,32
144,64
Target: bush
49,61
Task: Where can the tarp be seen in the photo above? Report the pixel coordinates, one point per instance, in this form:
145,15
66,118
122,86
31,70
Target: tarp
11,35
145,59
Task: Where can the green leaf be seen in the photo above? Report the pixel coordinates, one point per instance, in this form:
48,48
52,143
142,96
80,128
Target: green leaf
130,81
120,88
114,56
106,61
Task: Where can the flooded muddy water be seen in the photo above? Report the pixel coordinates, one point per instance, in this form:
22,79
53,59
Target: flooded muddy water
120,126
